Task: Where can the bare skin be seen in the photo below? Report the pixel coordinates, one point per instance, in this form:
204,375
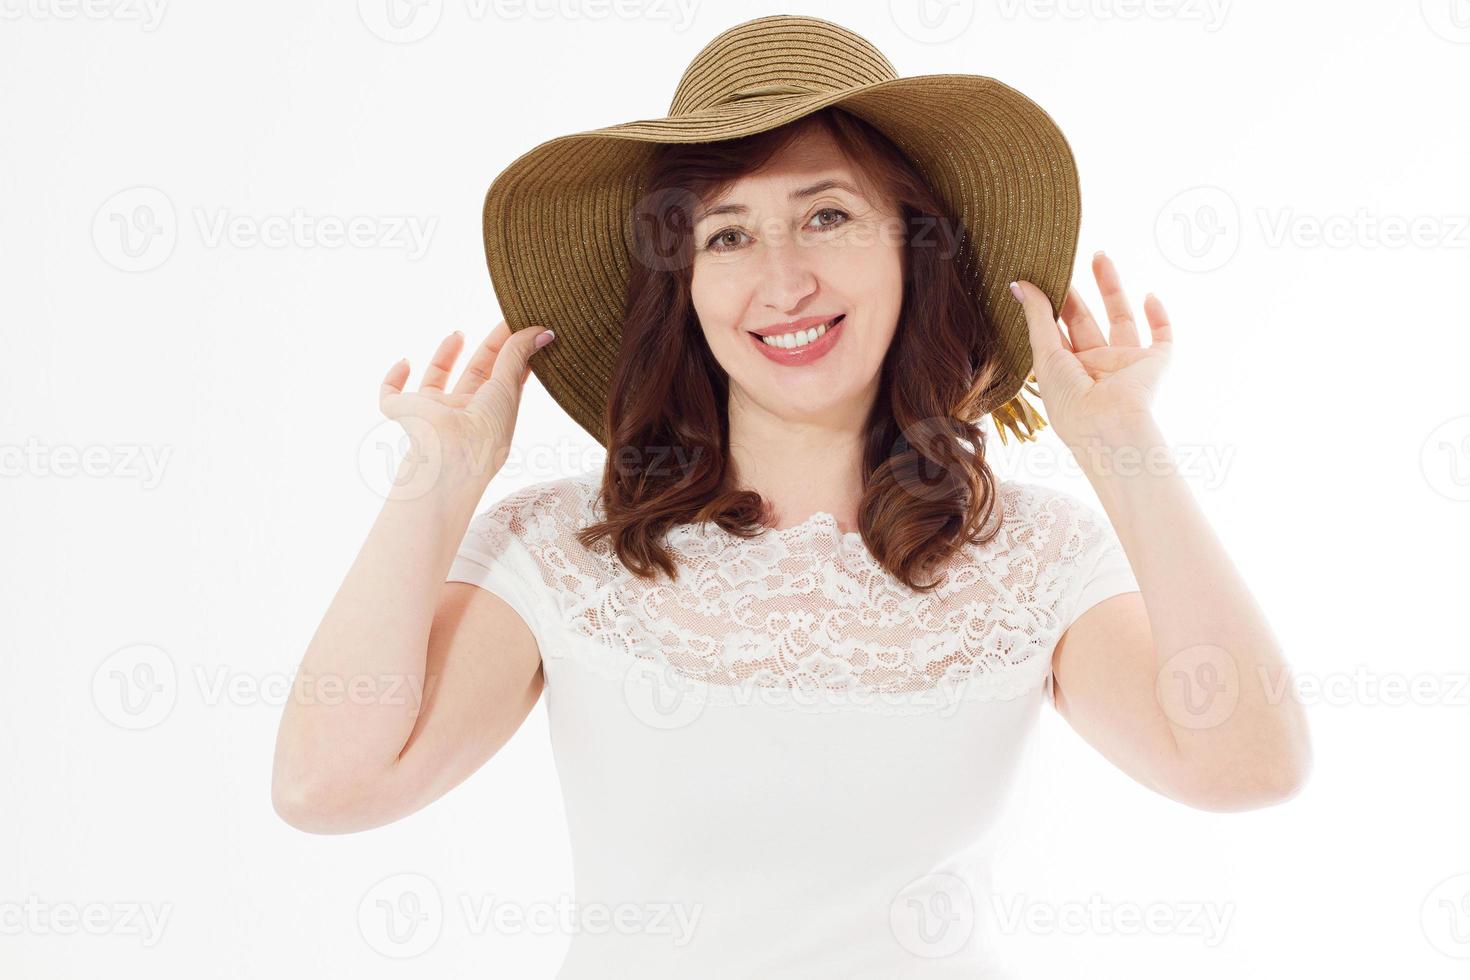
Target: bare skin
1171,683
431,677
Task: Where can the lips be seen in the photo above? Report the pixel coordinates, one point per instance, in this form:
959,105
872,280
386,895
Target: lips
807,353
805,323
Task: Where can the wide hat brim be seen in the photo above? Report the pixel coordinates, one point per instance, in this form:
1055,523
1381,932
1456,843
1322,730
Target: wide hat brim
558,221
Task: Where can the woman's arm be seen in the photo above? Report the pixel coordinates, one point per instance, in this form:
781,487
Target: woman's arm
1180,684
411,682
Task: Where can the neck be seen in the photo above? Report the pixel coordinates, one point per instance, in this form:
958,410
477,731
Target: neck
799,465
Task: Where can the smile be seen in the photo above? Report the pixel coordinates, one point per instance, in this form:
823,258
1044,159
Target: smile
801,346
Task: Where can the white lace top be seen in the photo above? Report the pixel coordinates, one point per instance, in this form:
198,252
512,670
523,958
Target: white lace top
786,763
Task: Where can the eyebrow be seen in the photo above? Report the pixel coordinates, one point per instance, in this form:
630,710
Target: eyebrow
828,184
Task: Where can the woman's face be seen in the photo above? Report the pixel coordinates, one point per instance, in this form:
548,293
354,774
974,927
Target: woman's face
784,250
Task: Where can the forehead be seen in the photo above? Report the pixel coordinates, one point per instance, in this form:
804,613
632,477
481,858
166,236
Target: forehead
812,153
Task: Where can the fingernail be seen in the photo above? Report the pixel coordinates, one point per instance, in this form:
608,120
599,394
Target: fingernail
1016,292
1098,254
544,339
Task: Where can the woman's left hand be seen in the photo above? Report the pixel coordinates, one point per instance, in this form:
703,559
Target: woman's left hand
1089,383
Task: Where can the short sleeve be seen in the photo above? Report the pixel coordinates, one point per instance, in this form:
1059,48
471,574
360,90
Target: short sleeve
493,557
1102,571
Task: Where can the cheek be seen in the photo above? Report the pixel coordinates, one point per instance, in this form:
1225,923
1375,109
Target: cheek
871,276
716,297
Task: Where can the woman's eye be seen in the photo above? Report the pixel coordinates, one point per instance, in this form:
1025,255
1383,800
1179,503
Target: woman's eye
836,214
723,241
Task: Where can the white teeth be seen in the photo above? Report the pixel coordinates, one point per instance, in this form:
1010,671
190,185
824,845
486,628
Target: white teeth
799,338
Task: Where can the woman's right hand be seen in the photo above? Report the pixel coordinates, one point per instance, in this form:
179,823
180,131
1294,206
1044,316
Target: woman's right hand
466,431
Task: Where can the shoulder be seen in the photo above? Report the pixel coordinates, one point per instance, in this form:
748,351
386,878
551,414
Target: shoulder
1051,523
539,513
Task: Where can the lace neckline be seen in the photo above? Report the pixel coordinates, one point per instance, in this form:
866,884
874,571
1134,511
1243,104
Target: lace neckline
821,525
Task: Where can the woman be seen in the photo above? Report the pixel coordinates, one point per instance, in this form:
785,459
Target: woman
796,635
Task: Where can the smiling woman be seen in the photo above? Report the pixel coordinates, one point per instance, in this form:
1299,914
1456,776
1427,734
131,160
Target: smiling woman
792,680
808,285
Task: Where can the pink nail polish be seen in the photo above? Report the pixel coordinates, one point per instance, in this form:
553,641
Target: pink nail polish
544,339
1016,292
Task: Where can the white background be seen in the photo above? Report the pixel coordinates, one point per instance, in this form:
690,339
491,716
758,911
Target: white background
1251,163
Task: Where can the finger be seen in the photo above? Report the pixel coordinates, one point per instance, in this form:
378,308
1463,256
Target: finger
438,370
477,371
393,382
1083,328
1046,333
511,364
1158,319
1124,332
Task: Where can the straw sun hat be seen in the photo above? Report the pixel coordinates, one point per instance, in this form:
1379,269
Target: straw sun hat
558,220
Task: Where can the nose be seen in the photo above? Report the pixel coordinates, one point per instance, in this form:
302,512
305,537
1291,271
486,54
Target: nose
787,278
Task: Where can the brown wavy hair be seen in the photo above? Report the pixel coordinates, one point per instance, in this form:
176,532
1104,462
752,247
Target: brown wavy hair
927,488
